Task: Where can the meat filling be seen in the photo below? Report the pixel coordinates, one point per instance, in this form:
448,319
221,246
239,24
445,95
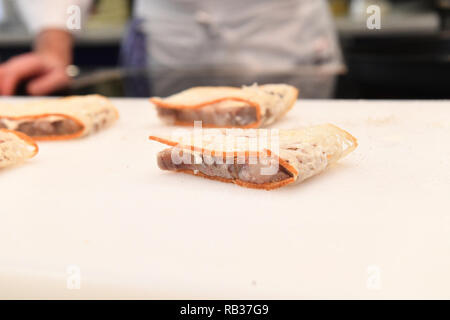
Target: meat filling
44,127
251,173
237,115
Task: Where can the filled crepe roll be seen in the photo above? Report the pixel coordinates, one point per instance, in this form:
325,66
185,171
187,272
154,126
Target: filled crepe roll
246,107
59,119
15,147
262,159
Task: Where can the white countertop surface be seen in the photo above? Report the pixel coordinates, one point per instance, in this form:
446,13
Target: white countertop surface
377,225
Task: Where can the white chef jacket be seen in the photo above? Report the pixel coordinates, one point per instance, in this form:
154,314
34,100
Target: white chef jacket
258,34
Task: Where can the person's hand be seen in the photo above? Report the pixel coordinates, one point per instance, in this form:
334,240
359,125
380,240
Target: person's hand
45,69
47,73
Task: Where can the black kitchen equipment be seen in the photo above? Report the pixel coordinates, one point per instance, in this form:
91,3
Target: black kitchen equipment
443,8
403,65
399,66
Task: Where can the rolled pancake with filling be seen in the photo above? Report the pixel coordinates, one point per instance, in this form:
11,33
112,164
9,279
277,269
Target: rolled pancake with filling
59,119
226,107
290,156
15,147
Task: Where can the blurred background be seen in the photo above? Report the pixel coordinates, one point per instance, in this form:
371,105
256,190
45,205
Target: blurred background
408,58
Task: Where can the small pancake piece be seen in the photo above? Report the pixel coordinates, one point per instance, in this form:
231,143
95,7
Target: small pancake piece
225,107
15,147
290,156
59,119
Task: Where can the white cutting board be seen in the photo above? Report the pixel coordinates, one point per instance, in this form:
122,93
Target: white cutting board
377,225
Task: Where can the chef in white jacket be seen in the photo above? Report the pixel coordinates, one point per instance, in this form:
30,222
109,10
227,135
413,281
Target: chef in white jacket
257,35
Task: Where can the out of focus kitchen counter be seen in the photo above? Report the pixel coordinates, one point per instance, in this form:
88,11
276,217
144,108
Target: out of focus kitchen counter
394,23
93,47
99,212
93,36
